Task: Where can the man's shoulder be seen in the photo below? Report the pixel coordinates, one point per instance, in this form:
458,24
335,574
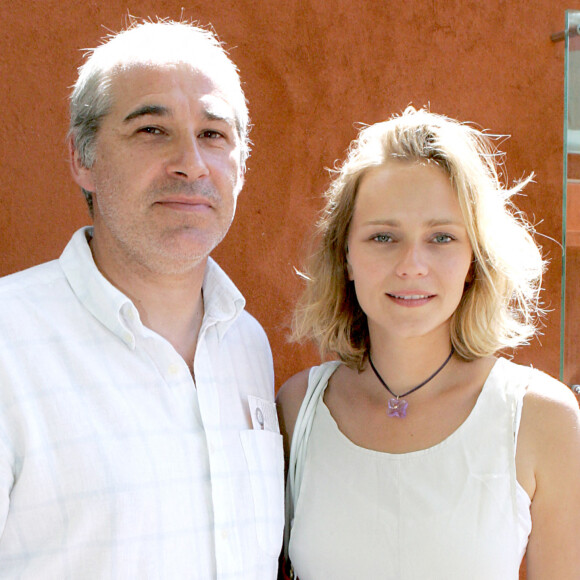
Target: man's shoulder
31,279
249,325
224,301
40,293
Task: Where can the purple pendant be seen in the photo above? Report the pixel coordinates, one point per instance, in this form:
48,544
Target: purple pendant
397,408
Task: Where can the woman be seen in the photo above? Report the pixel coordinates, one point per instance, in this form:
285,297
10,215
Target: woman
420,454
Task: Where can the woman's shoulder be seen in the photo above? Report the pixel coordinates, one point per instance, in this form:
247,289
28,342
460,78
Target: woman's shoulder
550,424
546,394
548,389
549,469
551,407
541,389
291,395
292,392
288,402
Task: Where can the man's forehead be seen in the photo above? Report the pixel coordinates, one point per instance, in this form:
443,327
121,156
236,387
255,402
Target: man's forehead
169,73
163,87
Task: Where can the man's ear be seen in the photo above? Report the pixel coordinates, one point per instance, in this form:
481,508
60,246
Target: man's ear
81,174
241,181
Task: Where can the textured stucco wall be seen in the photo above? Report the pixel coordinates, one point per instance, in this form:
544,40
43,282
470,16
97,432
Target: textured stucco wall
313,69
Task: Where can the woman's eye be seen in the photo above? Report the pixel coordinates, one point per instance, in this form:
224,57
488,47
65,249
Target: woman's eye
382,238
442,238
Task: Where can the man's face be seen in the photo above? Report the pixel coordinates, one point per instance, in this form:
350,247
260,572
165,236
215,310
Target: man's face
167,172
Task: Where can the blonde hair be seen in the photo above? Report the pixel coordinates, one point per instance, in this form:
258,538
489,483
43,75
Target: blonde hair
500,305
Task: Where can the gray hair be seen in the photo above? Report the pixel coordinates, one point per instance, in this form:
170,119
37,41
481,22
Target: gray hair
148,43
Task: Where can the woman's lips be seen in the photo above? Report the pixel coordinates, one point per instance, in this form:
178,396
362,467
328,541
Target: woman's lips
411,299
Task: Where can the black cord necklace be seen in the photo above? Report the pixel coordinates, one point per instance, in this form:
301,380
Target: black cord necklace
398,405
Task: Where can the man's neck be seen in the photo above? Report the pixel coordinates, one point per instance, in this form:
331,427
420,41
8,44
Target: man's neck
169,304
175,311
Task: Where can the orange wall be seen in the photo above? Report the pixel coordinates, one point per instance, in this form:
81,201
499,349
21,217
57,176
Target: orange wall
313,70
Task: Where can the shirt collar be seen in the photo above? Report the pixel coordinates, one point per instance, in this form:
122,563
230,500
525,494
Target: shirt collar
223,302
105,302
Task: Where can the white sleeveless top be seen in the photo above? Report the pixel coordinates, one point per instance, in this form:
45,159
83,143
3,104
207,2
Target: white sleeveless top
454,511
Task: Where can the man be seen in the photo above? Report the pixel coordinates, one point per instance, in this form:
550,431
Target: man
138,436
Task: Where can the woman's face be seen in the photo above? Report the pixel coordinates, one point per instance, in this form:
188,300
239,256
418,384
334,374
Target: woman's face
408,250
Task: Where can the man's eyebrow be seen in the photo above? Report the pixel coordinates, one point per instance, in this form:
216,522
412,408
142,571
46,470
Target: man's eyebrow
213,115
157,110
162,111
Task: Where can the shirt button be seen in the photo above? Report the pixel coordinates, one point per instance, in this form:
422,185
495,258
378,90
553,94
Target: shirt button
224,535
173,369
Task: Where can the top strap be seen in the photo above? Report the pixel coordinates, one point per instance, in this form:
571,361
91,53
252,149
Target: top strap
317,383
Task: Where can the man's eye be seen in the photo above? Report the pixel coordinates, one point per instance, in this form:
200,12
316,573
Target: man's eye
210,134
151,130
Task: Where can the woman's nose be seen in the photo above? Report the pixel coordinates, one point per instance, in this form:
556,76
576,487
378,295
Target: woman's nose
412,262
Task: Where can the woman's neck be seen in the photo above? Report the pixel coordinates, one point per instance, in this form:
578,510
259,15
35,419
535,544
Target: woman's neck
404,363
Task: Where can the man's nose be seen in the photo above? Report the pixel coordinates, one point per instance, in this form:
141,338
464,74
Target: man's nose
187,160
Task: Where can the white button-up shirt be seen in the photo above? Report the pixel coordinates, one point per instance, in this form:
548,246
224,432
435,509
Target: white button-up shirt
113,463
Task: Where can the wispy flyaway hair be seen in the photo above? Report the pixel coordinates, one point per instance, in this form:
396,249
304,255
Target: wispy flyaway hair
500,304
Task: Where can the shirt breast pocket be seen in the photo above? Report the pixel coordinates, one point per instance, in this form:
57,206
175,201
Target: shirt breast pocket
265,459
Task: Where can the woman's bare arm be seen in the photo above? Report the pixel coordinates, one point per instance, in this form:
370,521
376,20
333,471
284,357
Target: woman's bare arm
550,441
289,399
